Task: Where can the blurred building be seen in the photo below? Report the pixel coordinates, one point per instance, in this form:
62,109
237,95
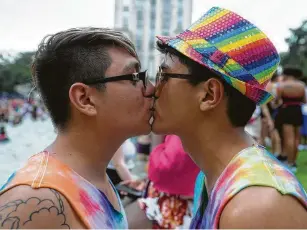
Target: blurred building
142,20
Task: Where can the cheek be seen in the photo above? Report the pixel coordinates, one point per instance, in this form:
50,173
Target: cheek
182,103
131,102
168,101
136,100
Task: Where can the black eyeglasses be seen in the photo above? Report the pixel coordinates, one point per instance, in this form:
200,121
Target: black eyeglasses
134,77
162,78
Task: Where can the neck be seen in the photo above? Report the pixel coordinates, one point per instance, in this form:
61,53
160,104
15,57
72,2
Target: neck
87,152
212,151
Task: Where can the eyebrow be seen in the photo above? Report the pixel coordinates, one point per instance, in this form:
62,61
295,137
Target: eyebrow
134,65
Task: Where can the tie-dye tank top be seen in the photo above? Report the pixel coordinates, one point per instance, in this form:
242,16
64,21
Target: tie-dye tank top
92,206
253,166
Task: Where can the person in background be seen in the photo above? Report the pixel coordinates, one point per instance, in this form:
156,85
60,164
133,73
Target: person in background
34,111
144,146
290,118
4,111
211,78
269,113
304,126
268,129
253,126
168,197
3,134
91,84
3,121
118,169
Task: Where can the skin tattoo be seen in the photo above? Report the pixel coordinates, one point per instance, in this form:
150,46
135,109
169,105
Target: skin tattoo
41,212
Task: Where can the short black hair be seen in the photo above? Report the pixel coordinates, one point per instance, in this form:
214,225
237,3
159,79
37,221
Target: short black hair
72,56
292,71
239,107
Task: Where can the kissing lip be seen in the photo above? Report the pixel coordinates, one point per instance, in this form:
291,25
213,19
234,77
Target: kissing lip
152,114
150,96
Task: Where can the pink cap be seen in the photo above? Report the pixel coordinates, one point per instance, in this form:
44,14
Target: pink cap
171,169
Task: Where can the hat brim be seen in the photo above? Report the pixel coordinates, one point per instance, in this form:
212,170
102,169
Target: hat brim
258,95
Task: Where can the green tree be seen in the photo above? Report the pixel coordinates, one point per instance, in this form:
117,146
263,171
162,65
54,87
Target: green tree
14,71
297,53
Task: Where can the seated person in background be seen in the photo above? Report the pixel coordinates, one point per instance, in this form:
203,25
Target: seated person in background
118,170
168,197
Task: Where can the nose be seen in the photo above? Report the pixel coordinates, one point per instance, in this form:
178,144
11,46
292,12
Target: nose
150,90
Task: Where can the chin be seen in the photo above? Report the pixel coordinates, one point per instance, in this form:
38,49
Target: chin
142,130
159,128
147,130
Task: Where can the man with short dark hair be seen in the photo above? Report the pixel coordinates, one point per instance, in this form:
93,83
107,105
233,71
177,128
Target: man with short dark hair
213,75
90,81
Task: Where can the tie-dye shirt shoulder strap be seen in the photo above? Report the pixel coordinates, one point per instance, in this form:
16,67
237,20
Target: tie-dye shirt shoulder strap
253,166
90,204
198,190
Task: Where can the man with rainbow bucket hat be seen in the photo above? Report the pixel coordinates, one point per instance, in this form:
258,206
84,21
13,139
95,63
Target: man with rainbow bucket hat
207,88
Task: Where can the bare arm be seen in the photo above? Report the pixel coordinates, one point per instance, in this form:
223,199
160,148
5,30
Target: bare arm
267,115
24,207
118,161
304,98
263,208
266,112
277,92
275,103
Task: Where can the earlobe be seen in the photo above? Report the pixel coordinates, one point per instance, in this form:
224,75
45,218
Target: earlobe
206,105
203,106
80,98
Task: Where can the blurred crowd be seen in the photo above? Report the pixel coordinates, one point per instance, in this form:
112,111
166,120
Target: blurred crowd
14,109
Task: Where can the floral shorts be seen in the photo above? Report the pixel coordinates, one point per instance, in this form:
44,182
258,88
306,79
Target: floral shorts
167,211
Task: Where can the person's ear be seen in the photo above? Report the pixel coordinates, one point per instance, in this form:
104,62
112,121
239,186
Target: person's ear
80,96
211,93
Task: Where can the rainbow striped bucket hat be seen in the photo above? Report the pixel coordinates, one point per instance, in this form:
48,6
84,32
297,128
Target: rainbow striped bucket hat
232,47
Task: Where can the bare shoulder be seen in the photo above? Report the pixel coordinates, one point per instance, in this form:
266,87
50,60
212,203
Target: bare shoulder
24,207
263,207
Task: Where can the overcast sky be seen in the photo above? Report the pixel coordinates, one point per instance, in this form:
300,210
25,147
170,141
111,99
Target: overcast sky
23,23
